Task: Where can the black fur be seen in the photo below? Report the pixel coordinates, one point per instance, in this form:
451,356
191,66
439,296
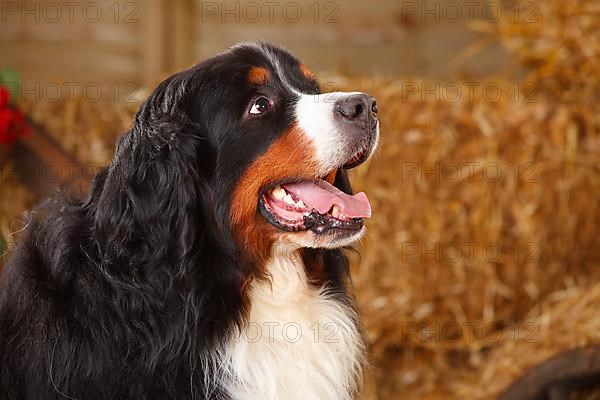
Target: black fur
122,295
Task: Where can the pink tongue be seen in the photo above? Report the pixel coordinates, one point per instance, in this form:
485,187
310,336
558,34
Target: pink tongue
321,196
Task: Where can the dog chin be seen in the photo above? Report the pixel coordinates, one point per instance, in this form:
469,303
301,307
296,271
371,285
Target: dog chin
330,240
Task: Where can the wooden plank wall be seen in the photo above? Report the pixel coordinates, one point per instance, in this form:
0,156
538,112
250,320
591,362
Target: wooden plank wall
422,38
93,41
104,42
109,41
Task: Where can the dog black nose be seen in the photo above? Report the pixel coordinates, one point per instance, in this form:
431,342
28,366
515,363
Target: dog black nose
356,108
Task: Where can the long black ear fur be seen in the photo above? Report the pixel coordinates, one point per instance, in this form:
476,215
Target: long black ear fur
154,219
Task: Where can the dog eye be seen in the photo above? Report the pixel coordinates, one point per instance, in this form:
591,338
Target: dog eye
260,105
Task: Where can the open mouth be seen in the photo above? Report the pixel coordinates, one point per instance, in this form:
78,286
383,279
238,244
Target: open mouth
316,205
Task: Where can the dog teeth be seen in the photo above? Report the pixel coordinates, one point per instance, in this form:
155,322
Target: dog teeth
279,193
335,212
288,199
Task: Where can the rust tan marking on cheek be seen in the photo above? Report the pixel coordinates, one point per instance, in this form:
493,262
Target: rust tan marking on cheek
290,157
307,72
258,75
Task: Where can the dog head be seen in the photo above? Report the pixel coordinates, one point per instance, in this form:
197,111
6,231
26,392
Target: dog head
243,146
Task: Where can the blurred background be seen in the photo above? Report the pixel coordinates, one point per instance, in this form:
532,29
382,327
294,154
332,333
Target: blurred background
482,260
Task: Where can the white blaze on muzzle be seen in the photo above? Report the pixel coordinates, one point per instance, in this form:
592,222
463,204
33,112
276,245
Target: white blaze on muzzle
315,117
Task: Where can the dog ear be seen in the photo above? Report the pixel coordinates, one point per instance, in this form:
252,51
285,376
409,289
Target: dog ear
155,187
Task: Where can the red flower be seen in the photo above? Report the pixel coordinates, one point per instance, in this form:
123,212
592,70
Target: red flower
12,123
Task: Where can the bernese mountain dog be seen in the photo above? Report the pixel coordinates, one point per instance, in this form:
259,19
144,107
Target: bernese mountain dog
207,260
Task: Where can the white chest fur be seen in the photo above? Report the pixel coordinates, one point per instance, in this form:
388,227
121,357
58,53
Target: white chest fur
300,343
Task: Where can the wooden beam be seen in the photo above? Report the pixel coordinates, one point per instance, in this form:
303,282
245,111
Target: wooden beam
43,165
559,377
4,153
